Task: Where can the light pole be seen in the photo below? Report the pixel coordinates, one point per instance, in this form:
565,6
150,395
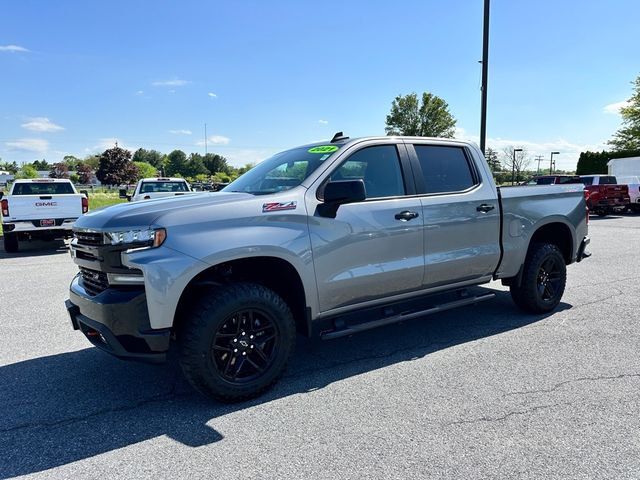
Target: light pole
551,165
485,74
513,166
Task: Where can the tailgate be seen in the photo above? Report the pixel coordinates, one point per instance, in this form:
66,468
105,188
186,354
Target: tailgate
615,191
36,207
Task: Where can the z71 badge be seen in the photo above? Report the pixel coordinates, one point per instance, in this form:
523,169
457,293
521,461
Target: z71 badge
278,206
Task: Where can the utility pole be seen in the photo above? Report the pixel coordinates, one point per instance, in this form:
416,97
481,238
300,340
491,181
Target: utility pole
485,72
539,158
551,164
205,139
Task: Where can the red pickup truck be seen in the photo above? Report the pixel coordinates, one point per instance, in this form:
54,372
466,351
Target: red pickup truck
604,194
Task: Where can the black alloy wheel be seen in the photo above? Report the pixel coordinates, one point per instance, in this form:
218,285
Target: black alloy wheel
245,345
544,276
236,341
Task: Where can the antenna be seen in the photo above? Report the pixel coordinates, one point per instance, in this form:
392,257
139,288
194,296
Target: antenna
205,139
339,136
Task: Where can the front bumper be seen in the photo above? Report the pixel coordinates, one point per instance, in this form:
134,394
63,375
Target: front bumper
117,321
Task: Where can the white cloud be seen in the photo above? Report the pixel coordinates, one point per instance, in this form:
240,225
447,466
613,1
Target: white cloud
13,48
614,108
29,145
170,83
41,124
323,122
215,140
212,95
569,151
181,132
239,157
140,92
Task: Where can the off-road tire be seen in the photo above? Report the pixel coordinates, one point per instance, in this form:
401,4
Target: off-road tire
10,241
201,358
543,279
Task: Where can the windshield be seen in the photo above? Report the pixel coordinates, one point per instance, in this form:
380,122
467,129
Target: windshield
283,171
163,187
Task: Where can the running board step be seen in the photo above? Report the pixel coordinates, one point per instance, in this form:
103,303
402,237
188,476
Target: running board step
405,316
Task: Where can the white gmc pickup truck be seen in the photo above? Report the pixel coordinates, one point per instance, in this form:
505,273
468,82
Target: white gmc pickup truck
40,208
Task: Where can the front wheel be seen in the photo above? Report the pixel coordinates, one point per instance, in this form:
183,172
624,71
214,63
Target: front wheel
10,242
237,341
543,279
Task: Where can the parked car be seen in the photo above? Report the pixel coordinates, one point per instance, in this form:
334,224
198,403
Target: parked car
42,208
151,188
604,194
633,184
327,239
553,180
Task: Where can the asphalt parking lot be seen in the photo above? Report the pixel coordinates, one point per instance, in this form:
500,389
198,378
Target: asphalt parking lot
479,392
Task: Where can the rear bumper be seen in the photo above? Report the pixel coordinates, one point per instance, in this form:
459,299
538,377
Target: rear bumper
582,253
117,321
32,227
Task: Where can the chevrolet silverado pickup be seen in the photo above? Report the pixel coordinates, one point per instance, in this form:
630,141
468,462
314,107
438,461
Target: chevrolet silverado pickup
326,240
42,208
152,188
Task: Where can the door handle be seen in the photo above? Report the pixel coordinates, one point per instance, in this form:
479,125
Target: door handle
406,215
485,208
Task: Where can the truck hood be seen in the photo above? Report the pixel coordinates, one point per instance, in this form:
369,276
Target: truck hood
148,212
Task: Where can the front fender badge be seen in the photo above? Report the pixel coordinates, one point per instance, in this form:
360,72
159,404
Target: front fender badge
278,206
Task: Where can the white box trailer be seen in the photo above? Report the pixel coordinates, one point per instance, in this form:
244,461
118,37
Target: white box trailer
624,167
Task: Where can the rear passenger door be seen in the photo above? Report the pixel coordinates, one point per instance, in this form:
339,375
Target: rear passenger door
460,212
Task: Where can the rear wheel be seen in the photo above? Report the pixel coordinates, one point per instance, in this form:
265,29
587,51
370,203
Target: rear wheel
543,279
10,242
602,212
237,342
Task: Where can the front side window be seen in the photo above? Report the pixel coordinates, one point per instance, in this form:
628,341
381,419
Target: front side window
378,167
444,169
587,180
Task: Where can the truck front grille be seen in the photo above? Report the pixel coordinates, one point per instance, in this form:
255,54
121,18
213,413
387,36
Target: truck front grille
94,282
89,238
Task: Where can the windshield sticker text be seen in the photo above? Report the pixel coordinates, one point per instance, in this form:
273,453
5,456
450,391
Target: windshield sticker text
323,149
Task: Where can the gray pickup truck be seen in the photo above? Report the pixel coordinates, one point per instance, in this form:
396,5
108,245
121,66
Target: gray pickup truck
326,240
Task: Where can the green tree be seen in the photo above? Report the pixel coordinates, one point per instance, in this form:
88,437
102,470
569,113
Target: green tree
27,171
59,170
176,163
492,159
92,161
244,169
596,162
429,118
195,166
71,162
216,163
152,157
41,165
146,170
116,167
628,136
9,167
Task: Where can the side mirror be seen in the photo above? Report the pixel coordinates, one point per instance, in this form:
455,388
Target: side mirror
122,193
86,193
339,193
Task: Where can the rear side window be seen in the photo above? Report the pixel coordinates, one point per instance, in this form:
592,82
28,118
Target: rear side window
36,188
379,167
445,169
608,181
545,181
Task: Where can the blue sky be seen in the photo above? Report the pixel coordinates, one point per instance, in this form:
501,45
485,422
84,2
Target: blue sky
267,75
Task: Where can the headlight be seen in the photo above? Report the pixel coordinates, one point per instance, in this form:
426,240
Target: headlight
150,237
